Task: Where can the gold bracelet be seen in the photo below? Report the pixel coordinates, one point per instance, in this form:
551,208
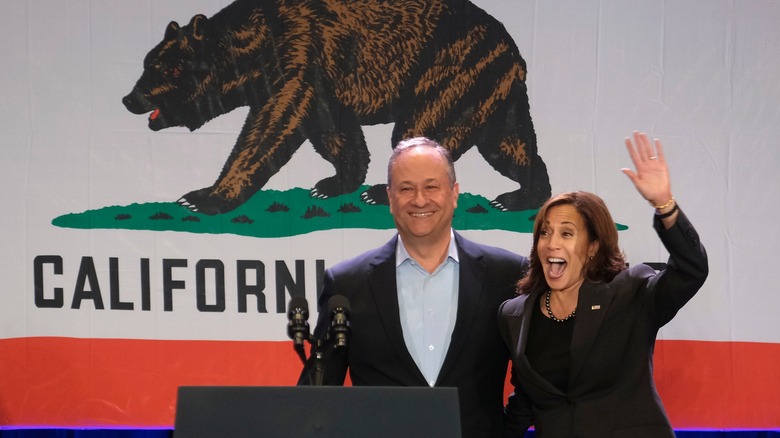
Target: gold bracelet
661,207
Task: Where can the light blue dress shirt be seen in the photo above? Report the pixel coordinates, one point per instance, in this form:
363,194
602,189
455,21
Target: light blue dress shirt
428,306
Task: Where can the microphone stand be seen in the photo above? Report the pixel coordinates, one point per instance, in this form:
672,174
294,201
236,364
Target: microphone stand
317,360
319,367
300,349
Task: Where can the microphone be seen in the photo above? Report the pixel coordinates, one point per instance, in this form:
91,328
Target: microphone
338,307
298,325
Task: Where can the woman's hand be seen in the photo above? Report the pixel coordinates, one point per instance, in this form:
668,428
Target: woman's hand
651,177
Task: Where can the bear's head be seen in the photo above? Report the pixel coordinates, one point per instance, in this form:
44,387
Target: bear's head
189,77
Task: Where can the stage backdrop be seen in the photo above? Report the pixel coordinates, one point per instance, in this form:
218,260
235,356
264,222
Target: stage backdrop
176,171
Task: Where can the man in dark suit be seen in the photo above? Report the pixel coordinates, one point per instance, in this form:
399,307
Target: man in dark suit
423,307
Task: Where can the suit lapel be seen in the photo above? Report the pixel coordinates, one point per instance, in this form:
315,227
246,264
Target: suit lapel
470,280
528,309
522,364
384,290
592,306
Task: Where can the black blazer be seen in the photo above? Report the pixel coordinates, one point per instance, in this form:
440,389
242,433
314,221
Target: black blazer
477,360
611,391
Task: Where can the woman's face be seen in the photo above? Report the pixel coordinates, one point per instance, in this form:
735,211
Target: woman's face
564,248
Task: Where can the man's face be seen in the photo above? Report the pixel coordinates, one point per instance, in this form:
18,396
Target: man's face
422,200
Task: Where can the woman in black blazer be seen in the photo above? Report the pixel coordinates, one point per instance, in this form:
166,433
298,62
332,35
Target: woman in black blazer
583,328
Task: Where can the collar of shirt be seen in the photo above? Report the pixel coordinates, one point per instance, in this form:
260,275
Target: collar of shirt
401,255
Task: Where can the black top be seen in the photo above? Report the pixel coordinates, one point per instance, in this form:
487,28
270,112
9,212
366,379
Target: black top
548,349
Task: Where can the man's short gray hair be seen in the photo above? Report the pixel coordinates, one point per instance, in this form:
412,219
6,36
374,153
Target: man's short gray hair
408,144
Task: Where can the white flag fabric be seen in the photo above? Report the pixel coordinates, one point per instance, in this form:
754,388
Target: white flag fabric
114,295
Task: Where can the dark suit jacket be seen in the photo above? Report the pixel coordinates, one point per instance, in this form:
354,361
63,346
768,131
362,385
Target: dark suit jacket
611,391
477,360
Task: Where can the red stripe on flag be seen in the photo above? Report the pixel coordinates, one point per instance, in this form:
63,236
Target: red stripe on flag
67,382
719,384
119,382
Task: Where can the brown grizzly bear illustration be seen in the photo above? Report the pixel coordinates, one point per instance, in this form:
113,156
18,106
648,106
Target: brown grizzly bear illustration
319,69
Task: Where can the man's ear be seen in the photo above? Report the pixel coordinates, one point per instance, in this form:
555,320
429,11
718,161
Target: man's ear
455,193
390,204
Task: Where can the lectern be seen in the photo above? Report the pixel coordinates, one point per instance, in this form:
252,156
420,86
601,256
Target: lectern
316,411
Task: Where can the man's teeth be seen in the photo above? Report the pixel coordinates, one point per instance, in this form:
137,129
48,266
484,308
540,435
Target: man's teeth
426,214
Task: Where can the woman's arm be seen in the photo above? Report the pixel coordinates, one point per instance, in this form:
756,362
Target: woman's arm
687,267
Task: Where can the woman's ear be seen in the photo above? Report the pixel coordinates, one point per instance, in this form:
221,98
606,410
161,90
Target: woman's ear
593,249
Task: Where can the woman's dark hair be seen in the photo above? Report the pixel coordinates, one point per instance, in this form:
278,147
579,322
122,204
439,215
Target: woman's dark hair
608,261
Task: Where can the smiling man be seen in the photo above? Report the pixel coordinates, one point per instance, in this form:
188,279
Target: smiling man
423,306
423,196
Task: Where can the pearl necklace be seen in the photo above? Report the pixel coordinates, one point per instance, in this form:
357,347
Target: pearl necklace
549,311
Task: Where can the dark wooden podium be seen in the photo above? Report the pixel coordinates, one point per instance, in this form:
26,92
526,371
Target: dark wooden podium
316,411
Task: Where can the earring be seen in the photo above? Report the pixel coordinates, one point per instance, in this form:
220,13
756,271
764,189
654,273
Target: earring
590,258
